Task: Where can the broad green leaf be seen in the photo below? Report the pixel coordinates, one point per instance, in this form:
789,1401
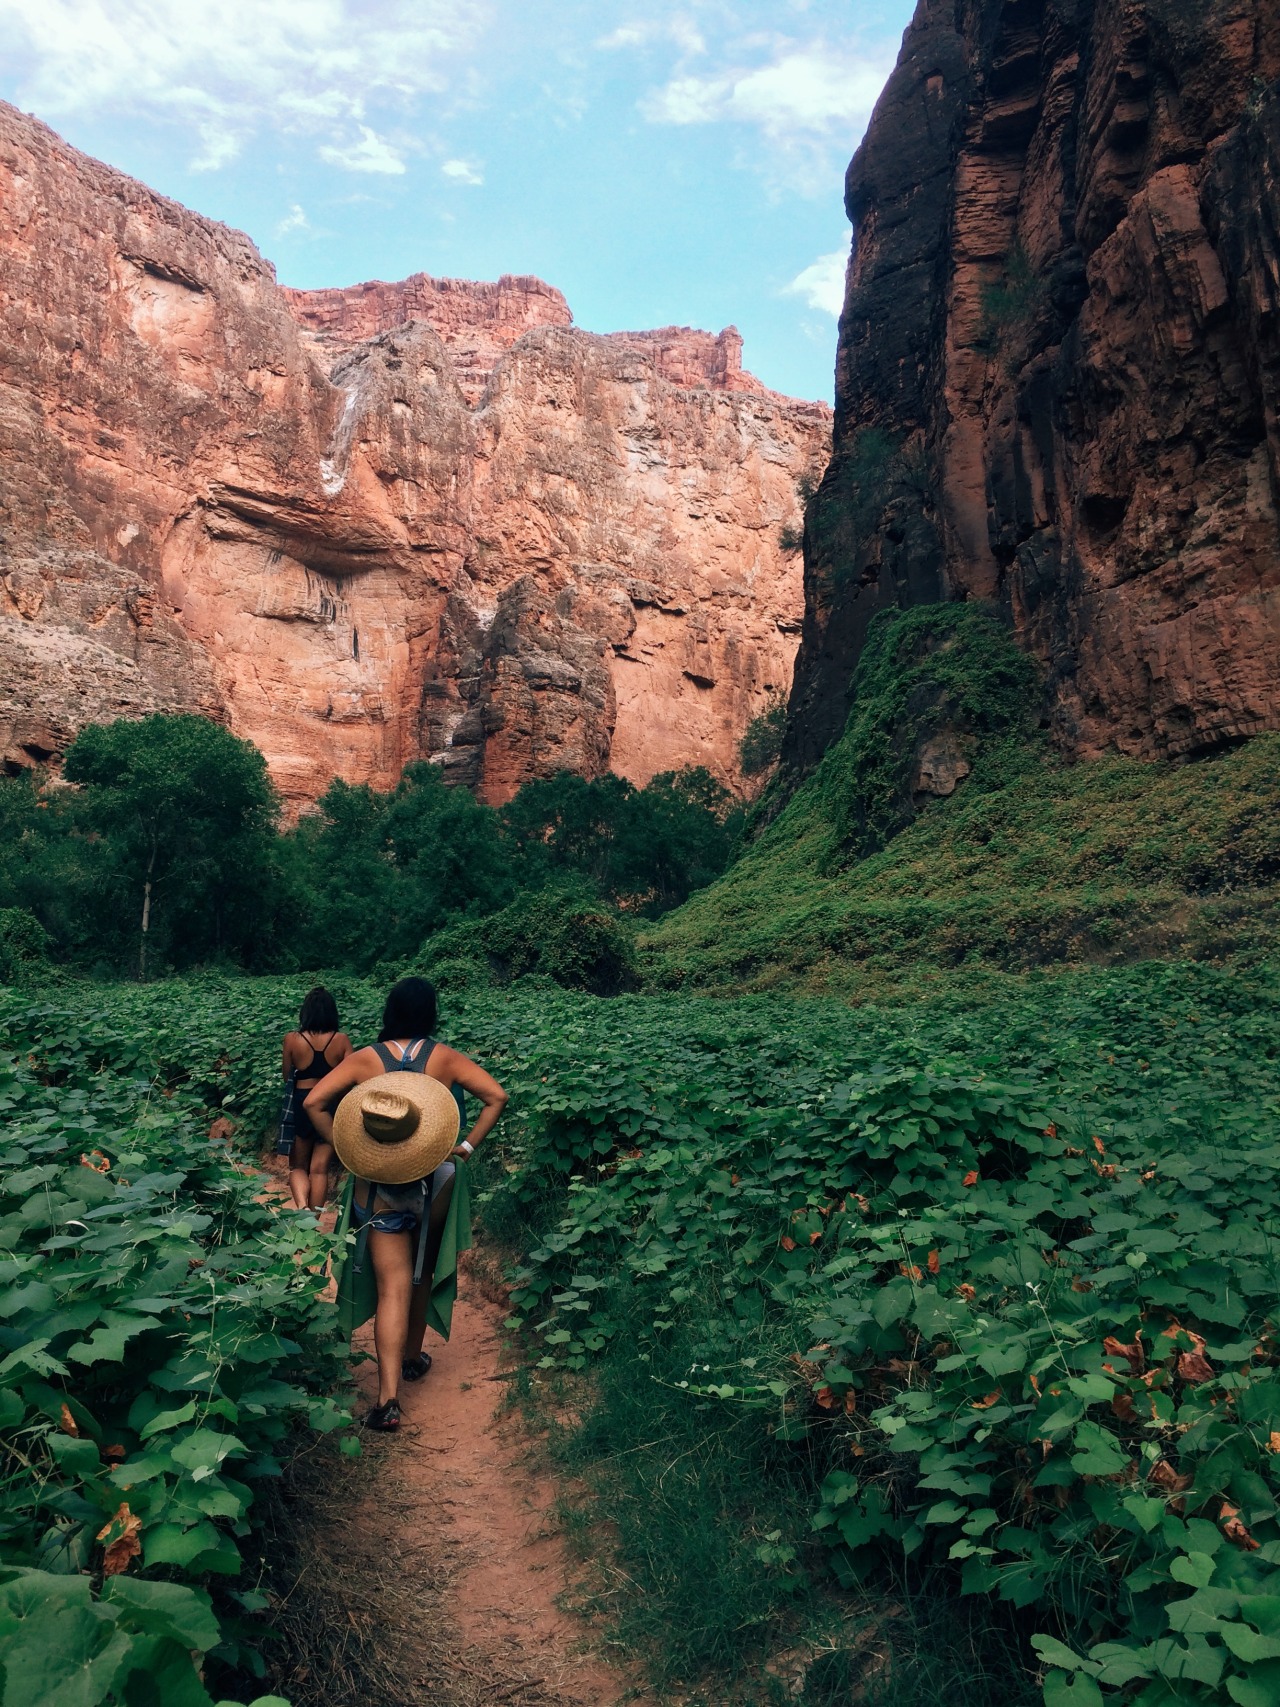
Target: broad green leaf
164,1609
946,1511
164,1420
74,1456
204,1449
171,1544
58,1649
1052,1652
1097,1452
1062,1689
1195,1569
1248,1645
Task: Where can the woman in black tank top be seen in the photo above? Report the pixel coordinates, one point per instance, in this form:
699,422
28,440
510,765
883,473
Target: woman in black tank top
313,1050
405,1045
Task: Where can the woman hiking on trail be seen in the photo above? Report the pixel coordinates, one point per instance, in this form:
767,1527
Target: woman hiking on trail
397,1133
310,1053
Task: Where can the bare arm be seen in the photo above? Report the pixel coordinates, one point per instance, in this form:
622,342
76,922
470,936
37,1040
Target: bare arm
321,1099
464,1071
286,1066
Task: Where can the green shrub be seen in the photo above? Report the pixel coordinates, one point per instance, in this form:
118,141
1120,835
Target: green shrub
762,739
1010,308
551,933
937,667
991,1286
165,1340
24,947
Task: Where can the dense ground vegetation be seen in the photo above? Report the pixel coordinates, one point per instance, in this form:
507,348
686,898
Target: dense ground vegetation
167,854
925,1346
871,1316
162,1346
857,888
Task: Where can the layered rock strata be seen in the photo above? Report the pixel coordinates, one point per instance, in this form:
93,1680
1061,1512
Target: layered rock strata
367,526
1058,377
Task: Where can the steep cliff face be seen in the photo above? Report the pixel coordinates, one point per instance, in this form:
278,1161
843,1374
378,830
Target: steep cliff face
365,526
1058,376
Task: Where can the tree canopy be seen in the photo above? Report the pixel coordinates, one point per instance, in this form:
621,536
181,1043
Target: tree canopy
167,853
182,812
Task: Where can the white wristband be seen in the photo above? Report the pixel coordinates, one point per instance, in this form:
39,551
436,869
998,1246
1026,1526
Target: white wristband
469,1148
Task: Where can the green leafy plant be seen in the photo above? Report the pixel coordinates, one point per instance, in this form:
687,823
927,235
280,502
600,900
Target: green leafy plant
1011,306
24,946
182,810
762,739
163,1340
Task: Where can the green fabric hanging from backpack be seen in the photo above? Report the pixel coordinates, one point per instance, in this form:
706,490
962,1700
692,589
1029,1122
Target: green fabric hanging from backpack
358,1292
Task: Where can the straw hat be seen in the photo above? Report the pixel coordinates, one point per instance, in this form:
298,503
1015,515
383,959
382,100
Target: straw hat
395,1128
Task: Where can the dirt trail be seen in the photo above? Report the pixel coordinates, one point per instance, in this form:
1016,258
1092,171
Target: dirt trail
461,1471
453,1556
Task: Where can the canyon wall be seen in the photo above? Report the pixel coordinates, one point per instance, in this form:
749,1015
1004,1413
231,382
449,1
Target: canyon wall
1058,373
430,519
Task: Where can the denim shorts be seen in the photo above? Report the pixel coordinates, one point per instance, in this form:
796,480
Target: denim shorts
384,1220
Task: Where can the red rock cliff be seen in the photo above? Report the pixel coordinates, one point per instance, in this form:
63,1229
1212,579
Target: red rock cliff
1058,377
365,526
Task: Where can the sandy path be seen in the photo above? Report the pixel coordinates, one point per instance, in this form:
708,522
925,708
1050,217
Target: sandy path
464,1465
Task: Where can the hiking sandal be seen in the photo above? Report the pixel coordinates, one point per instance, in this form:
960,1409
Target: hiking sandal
384,1418
414,1368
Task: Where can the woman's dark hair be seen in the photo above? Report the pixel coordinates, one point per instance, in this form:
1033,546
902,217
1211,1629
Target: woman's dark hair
410,1010
319,1011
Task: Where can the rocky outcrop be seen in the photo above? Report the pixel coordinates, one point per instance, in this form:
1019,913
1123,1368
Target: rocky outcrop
423,520
1058,378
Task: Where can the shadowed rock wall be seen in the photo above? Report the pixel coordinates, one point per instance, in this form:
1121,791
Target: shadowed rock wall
1058,374
420,520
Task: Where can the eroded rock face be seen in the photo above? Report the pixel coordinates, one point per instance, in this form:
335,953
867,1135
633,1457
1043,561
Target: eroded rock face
422,520
1058,380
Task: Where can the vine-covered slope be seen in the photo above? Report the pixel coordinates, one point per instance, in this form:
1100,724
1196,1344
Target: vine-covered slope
1030,860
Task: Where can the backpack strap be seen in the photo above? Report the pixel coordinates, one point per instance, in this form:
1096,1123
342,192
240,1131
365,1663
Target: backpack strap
362,1237
415,1062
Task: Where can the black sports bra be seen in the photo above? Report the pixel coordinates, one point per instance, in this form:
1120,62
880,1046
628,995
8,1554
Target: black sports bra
318,1066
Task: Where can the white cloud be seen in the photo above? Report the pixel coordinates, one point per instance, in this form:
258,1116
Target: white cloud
372,153
681,30
218,148
804,90
226,70
821,283
294,220
463,171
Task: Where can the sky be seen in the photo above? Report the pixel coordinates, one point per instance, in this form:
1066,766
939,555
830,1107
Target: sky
659,163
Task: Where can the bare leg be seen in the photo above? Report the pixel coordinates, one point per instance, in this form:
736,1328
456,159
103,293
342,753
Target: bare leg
299,1166
442,1193
321,1156
392,1257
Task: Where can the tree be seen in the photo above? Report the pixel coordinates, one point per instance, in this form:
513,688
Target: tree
682,832
374,874
565,824
761,741
449,850
645,848
187,812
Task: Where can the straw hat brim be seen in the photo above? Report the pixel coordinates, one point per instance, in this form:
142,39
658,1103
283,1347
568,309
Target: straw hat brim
406,1159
